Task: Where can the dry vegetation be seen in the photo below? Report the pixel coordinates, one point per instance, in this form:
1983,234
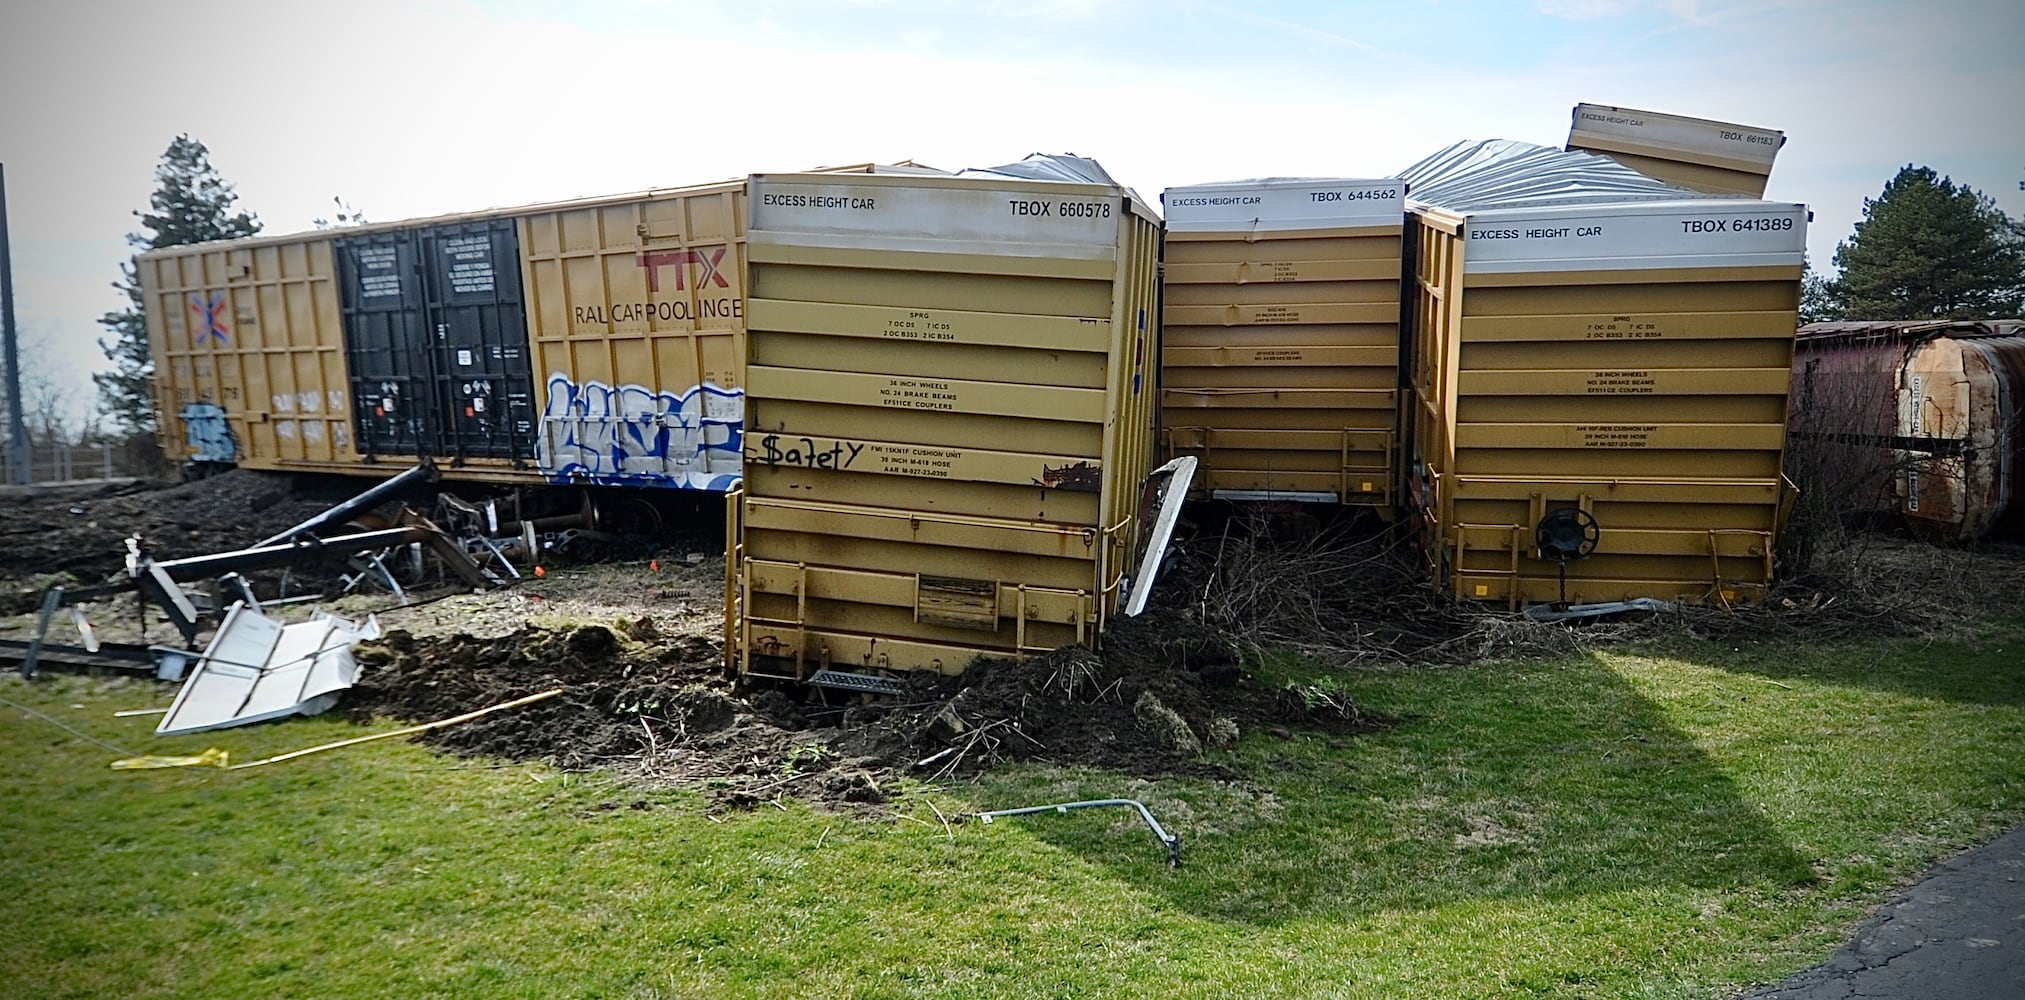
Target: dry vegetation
1347,599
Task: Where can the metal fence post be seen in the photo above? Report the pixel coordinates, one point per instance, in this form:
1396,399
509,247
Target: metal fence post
19,435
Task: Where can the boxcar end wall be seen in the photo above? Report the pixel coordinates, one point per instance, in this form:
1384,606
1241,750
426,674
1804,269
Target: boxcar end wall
1280,338
950,416
1626,360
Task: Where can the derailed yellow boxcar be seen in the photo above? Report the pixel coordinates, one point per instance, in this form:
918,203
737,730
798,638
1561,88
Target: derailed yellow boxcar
949,416
598,341
586,341
1280,338
369,349
1695,153
1588,340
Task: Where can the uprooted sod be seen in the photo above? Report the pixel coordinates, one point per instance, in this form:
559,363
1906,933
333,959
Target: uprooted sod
664,709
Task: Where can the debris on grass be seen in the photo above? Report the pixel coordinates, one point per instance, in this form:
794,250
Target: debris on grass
1167,840
635,647
665,711
256,669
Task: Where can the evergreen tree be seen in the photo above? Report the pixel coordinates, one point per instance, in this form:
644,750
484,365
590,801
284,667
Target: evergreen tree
1927,249
191,204
1817,296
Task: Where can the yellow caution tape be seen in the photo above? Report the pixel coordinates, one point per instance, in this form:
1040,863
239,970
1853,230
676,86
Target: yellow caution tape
213,757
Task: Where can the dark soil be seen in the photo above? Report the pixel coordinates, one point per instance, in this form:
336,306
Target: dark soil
78,534
609,687
1169,693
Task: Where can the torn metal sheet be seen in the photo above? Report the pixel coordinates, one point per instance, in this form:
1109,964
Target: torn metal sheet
1553,613
256,669
1180,473
1274,496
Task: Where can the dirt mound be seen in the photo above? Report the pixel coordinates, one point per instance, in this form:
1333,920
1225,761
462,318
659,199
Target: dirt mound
1166,690
79,532
609,688
1171,693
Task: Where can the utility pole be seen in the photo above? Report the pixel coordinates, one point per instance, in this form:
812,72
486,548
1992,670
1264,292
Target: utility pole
18,443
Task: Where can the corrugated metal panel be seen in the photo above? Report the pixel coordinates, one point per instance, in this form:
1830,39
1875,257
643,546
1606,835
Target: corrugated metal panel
252,329
1580,345
949,416
1280,337
256,669
1049,167
1502,173
1709,156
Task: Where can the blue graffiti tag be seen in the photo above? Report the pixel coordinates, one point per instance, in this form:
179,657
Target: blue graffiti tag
209,436
213,312
630,435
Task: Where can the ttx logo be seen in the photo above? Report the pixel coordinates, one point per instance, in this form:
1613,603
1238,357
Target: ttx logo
654,262
212,312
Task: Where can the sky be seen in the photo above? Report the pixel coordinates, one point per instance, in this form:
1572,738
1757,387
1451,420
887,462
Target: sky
415,109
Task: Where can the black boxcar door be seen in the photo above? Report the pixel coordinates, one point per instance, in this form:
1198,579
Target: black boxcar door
386,341
478,346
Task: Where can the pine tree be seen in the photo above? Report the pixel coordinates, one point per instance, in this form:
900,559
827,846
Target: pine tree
1817,296
1928,249
191,204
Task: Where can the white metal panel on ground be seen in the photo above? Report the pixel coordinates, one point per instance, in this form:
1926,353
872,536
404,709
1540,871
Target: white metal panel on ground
1180,472
256,669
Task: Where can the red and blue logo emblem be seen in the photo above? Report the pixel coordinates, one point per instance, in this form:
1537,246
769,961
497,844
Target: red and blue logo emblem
212,310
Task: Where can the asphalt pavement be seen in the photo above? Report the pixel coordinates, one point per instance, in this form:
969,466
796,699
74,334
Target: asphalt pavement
1958,934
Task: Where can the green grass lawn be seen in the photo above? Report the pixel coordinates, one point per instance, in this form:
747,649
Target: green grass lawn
1607,824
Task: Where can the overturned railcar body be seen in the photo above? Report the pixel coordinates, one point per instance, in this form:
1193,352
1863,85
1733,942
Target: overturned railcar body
1696,153
1918,418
